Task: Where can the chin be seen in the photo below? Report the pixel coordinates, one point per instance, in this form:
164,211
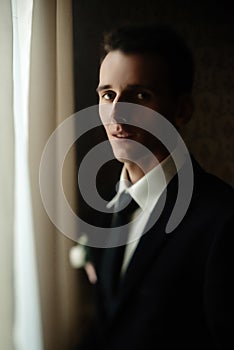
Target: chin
122,156
125,156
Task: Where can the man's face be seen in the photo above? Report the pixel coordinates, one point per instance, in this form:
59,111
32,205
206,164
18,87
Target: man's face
138,79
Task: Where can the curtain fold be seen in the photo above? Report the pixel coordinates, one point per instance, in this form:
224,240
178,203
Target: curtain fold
52,101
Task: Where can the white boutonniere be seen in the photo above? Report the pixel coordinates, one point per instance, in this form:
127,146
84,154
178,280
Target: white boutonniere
78,253
79,258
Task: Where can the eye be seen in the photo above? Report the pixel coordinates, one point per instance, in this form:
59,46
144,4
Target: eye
108,95
142,96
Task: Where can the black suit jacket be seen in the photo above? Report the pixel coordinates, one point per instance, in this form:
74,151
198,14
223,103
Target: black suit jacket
178,289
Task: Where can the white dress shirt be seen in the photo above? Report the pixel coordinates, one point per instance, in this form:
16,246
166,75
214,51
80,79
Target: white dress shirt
146,193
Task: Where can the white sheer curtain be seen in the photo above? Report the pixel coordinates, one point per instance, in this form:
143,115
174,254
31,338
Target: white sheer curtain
27,318
39,293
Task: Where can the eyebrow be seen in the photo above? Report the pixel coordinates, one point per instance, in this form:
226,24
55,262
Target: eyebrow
103,87
130,86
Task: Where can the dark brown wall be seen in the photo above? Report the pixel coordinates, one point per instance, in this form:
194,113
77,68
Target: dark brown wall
209,29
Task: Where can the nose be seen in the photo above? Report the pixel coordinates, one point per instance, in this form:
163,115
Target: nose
118,112
113,113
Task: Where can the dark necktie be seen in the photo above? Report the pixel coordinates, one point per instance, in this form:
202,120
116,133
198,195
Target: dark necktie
120,218
113,257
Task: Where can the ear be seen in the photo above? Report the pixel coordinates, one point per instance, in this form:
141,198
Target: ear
184,111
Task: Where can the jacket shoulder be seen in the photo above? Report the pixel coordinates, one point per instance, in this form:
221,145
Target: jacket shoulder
212,191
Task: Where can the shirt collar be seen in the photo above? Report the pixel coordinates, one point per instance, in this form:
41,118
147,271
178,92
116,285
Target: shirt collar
148,189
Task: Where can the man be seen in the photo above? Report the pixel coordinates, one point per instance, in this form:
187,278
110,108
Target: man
174,290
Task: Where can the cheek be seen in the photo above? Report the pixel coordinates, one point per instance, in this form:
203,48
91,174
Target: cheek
107,132
144,122
104,113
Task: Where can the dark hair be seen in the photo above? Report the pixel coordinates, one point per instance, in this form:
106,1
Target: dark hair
158,40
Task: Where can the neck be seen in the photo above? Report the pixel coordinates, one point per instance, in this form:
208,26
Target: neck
135,171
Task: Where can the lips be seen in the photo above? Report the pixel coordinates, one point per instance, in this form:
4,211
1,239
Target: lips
121,135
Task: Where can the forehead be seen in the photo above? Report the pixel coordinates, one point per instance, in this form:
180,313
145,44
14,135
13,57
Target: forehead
119,68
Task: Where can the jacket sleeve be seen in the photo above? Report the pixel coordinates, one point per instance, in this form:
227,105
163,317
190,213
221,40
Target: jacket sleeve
219,288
